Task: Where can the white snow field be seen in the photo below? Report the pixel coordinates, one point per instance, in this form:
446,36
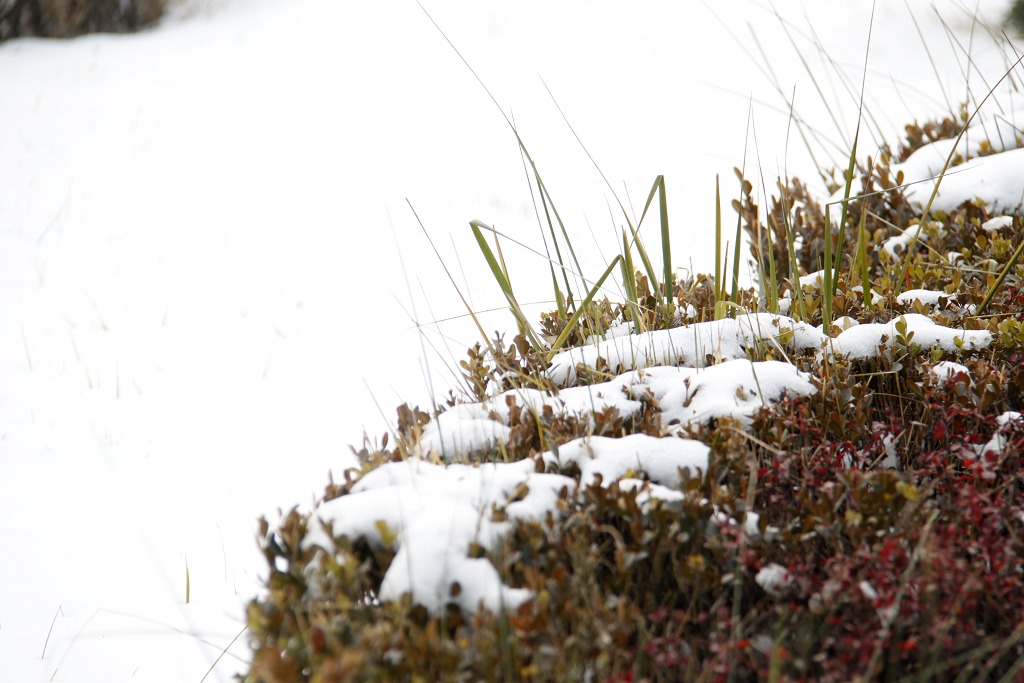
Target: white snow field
209,270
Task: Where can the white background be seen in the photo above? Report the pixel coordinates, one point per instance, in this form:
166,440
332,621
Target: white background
208,265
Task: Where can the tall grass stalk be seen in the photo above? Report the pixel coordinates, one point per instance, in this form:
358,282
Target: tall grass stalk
826,281
658,186
571,324
999,280
831,275
547,202
794,267
560,300
719,264
861,261
501,278
773,280
469,308
735,253
666,249
629,284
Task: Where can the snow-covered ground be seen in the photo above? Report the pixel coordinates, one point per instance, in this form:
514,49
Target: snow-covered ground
209,271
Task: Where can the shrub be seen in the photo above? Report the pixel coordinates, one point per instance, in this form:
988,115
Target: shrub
1016,17
887,544
863,523
70,18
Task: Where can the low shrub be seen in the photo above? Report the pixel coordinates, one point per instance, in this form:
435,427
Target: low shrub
870,531
817,478
1016,16
71,18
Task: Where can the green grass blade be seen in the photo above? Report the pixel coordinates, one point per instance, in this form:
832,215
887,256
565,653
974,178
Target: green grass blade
845,204
773,273
648,268
794,269
554,239
718,244
629,282
635,231
721,307
582,307
826,284
773,284
666,247
999,281
862,260
548,201
506,287
736,262
558,296
852,166
657,188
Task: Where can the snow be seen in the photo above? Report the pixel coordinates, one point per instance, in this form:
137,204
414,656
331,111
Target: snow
998,223
868,591
995,446
432,516
648,494
896,246
577,401
947,371
991,181
997,128
774,579
925,296
842,323
729,339
479,486
661,459
750,523
437,512
651,495
622,328
813,280
199,275
734,389
689,345
985,166
467,427
875,296
462,430
864,341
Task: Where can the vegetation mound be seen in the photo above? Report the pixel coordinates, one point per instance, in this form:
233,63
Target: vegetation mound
867,527
818,477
